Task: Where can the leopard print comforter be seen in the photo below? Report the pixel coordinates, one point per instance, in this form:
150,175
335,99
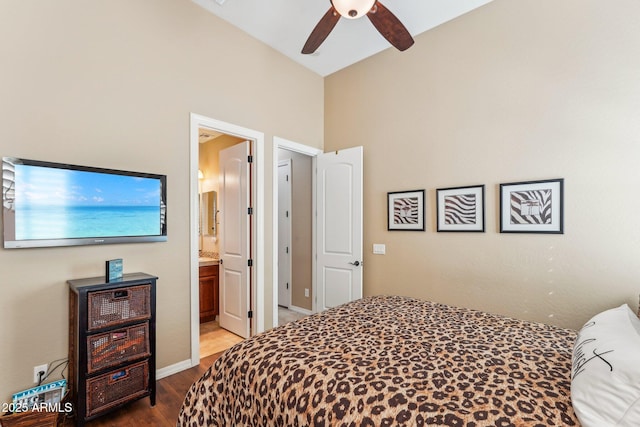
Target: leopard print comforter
391,361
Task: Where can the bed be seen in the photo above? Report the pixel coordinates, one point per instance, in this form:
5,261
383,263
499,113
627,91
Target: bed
391,361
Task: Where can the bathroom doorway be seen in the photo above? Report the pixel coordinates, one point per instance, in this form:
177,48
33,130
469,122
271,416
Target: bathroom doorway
214,338
205,245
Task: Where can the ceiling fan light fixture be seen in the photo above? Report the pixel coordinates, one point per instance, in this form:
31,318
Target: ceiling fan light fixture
353,9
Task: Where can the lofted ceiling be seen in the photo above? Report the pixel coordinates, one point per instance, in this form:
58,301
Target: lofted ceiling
285,25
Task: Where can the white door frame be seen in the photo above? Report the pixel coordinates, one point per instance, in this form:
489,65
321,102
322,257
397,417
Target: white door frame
258,182
309,151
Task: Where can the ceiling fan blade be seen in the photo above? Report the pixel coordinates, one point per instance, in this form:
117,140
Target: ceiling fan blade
390,27
321,31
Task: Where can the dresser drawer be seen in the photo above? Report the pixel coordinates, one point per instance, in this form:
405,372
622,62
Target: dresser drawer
116,347
117,306
113,388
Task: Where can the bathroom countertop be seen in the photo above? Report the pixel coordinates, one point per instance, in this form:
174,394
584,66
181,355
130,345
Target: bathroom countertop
204,261
208,258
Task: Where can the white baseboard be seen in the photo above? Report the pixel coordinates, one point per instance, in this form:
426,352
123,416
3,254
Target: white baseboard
300,310
173,369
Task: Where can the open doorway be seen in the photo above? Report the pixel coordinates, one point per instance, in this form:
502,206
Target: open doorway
295,231
294,225
214,337
337,207
202,244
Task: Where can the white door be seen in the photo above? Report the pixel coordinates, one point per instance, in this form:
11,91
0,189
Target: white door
339,225
234,235
284,233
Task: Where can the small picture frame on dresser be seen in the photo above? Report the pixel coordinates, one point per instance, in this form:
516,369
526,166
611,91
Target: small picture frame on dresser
113,269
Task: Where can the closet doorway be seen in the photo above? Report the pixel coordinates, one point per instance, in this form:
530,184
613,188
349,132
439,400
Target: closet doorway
294,203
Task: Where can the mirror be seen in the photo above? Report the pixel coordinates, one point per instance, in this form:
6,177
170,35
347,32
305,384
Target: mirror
208,213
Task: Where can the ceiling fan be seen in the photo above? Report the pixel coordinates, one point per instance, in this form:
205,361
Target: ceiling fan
385,22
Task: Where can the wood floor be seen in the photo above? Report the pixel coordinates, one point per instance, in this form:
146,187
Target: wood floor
170,392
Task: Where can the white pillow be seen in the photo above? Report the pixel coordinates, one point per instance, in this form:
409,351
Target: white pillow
605,377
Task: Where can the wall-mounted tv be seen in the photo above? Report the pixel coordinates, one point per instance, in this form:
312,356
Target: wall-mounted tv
54,204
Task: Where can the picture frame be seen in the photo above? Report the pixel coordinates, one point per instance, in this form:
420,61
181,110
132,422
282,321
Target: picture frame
532,207
113,270
405,210
460,209
47,394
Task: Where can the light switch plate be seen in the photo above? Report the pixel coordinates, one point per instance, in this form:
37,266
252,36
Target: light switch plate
379,248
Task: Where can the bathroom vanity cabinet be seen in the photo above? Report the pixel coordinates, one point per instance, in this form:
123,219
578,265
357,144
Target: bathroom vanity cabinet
209,293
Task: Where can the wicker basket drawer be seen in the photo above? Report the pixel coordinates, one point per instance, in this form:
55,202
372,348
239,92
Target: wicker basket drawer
110,390
119,346
117,306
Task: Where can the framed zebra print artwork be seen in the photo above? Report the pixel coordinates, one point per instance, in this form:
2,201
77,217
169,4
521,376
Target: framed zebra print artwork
460,208
532,207
405,210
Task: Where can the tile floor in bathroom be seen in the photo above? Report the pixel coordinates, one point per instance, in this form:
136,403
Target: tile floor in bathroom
214,339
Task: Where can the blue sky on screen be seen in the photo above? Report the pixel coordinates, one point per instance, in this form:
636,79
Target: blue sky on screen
62,187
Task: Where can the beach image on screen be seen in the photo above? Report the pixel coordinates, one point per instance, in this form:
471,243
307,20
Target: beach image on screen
53,203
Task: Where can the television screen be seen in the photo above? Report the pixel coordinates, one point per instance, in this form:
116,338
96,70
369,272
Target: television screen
53,204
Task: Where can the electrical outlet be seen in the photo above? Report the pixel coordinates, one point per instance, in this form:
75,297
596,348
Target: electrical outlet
306,292
36,372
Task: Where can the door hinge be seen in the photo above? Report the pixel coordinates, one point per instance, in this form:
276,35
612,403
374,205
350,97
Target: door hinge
250,211
250,314
287,177
286,213
287,285
250,262
250,159
287,249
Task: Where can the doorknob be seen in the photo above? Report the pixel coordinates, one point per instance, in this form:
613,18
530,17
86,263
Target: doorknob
356,263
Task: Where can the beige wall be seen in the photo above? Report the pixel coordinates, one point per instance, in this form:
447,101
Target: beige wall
514,91
301,231
112,83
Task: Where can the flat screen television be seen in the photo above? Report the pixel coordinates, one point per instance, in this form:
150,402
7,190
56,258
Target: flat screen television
55,204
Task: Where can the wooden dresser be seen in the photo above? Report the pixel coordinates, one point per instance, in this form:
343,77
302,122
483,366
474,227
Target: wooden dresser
112,343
